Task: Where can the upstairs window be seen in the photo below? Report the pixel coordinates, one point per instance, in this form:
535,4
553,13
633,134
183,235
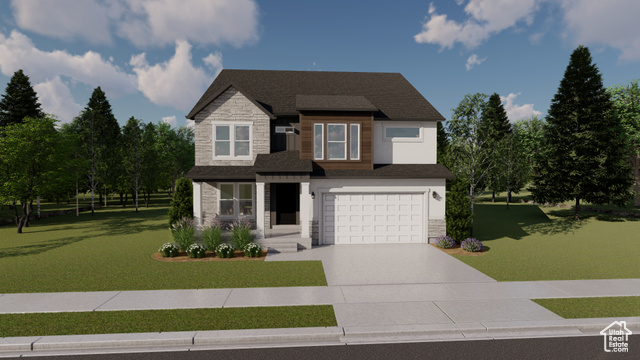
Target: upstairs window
232,140
336,141
402,134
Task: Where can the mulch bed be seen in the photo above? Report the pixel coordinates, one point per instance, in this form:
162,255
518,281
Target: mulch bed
209,256
459,251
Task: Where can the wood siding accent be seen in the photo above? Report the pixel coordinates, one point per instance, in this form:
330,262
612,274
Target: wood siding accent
308,118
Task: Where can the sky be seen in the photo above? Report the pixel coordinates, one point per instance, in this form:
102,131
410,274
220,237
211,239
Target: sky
155,58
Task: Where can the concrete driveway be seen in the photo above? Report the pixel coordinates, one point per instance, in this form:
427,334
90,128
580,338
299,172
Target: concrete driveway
386,264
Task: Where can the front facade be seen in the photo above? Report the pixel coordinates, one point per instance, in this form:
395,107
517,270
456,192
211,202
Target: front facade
326,157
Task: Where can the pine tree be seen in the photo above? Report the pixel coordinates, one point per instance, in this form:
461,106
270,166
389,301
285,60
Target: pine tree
495,127
458,211
583,155
182,203
19,101
443,144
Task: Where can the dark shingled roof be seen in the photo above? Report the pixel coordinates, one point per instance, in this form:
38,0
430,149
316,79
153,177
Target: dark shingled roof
333,103
400,171
276,91
283,161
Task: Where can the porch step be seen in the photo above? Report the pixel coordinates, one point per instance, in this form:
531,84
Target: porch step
281,244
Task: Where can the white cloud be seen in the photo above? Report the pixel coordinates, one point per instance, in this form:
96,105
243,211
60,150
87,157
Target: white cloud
516,112
171,120
613,23
473,61
485,18
64,18
191,124
176,82
18,52
56,99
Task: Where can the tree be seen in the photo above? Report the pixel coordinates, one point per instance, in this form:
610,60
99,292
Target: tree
33,154
626,107
584,155
494,128
132,154
458,213
471,157
515,165
182,203
176,152
150,179
530,135
77,163
443,144
19,101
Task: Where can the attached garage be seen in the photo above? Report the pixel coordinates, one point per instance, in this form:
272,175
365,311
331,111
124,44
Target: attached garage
370,218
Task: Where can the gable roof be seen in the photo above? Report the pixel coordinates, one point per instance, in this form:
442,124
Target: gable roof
276,91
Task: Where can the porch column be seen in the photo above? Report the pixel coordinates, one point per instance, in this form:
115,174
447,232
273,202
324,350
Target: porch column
259,210
197,205
305,205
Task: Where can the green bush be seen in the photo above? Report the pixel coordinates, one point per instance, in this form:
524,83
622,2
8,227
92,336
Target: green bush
183,232
252,250
182,202
169,250
212,235
458,211
196,251
224,251
241,233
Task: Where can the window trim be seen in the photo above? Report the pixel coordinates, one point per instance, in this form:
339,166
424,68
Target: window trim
344,142
321,143
325,141
418,139
236,200
358,136
232,140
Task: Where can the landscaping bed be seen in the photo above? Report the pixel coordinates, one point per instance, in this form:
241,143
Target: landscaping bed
209,256
457,250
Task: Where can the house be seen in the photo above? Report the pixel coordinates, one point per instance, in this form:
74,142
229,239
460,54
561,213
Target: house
324,157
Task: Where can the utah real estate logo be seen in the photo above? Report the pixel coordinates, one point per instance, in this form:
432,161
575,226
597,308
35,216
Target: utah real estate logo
616,337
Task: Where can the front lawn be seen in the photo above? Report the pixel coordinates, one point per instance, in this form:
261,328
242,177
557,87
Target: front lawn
594,307
530,242
111,322
112,251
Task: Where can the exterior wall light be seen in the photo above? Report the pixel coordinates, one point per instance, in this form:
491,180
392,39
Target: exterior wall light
313,195
435,195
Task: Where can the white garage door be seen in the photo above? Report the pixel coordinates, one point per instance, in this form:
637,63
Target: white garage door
370,218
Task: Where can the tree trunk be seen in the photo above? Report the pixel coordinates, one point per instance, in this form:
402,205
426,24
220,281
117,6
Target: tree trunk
38,207
29,211
16,219
493,196
93,205
121,199
146,199
126,198
577,212
508,196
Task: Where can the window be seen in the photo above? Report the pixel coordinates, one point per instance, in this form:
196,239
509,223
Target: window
318,141
284,129
354,139
232,140
342,141
336,142
402,132
236,199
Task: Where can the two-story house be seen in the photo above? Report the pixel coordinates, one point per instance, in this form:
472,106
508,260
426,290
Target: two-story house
334,157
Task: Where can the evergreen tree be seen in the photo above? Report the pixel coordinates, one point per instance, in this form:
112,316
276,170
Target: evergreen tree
584,155
494,128
19,101
132,154
182,203
458,214
443,144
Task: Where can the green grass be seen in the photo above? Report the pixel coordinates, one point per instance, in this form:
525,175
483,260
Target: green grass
109,322
529,242
112,251
596,307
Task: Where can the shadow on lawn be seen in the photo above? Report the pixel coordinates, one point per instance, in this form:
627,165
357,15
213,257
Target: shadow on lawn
494,221
125,223
34,249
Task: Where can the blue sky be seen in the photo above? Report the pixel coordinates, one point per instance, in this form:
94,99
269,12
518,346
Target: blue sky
155,58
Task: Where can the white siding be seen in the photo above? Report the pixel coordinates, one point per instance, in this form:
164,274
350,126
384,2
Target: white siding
405,152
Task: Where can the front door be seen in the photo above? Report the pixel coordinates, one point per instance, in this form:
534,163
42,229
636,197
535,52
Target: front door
287,203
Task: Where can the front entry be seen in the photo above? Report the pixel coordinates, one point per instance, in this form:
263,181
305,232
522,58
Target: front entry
285,203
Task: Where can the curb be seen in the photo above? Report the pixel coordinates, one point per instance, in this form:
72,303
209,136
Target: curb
311,336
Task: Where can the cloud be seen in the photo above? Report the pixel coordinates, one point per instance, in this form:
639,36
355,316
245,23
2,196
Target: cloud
191,124
18,52
484,18
516,112
613,23
176,82
56,99
64,19
473,61
171,120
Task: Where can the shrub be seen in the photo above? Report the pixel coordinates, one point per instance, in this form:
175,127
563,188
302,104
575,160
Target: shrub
458,211
241,233
212,235
196,251
224,251
471,245
183,232
169,250
252,250
182,202
445,242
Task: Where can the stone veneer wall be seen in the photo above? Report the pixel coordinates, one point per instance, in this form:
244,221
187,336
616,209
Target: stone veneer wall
437,227
209,202
235,107
267,206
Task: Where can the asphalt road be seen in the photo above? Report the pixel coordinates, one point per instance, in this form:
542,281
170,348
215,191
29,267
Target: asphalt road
582,348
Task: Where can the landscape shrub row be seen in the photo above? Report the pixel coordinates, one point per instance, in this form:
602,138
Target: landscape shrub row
468,244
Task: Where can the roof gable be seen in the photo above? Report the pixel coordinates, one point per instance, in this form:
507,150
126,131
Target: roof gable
276,92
